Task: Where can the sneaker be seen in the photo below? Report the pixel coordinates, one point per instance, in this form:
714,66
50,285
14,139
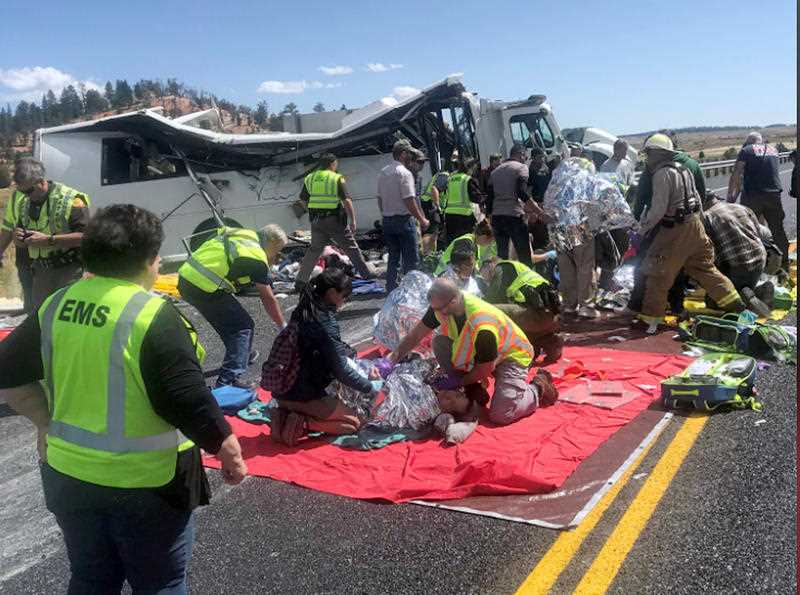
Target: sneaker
277,419
588,312
254,355
239,383
548,393
755,304
294,428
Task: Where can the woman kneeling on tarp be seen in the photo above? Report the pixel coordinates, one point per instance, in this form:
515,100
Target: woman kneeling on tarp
323,358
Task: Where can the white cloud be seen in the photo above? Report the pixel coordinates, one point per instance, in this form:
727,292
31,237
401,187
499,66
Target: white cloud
288,87
404,92
335,70
380,67
31,82
334,85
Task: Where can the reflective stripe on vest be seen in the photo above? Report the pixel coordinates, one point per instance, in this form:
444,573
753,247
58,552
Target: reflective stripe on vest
114,439
458,202
53,215
525,278
207,268
323,189
511,341
104,429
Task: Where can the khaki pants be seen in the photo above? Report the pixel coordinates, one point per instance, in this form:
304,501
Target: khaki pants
48,281
684,246
576,275
332,230
513,397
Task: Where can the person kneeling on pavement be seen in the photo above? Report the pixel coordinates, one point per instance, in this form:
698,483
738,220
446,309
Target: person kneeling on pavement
740,244
220,267
530,301
306,406
479,341
679,241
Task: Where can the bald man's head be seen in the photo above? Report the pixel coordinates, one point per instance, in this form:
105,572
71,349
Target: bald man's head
445,297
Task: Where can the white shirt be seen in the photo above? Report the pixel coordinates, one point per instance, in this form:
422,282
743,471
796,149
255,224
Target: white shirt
395,186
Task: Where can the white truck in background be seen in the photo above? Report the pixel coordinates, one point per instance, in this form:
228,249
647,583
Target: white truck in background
192,174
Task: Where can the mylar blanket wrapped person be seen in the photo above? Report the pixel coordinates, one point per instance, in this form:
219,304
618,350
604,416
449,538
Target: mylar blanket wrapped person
402,310
582,204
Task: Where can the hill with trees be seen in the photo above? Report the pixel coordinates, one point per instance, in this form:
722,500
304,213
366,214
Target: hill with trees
75,104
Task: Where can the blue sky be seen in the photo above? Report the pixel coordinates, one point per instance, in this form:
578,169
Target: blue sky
626,66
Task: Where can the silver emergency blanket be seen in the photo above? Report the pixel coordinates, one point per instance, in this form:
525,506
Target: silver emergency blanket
409,400
583,204
402,310
357,401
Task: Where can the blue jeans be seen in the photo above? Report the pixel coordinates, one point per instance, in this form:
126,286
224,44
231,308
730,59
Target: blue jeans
514,228
231,321
400,237
113,535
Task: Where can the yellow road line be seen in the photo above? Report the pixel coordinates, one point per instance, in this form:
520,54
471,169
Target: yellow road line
560,554
619,544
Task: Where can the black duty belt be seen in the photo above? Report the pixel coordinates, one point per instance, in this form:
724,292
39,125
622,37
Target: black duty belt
321,213
57,260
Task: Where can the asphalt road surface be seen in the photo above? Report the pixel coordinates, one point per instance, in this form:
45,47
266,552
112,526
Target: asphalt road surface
725,523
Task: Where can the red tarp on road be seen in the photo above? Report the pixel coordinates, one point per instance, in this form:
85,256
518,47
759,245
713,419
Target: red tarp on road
533,455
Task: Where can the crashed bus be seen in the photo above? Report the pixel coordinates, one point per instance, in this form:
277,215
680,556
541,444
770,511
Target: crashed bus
193,175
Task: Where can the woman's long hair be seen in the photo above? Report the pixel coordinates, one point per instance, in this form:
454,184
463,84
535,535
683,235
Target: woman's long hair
312,298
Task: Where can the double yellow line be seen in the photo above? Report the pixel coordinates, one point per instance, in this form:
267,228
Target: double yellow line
606,565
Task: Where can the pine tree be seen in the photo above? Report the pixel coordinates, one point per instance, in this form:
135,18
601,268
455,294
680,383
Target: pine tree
319,107
290,108
123,94
261,115
53,115
109,92
71,105
94,102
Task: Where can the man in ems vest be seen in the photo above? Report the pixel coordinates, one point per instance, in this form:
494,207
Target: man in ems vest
110,376
673,225
463,191
46,219
529,300
477,341
211,276
332,217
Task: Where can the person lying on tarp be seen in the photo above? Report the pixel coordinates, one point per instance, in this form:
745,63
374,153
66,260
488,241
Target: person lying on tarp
323,357
529,300
479,341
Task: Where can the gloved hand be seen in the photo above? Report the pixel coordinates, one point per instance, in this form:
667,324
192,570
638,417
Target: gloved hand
385,366
551,255
449,382
442,422
377,385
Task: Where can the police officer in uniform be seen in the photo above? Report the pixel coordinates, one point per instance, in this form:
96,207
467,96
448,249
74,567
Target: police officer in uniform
47,220
110,375
218,269
333,219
